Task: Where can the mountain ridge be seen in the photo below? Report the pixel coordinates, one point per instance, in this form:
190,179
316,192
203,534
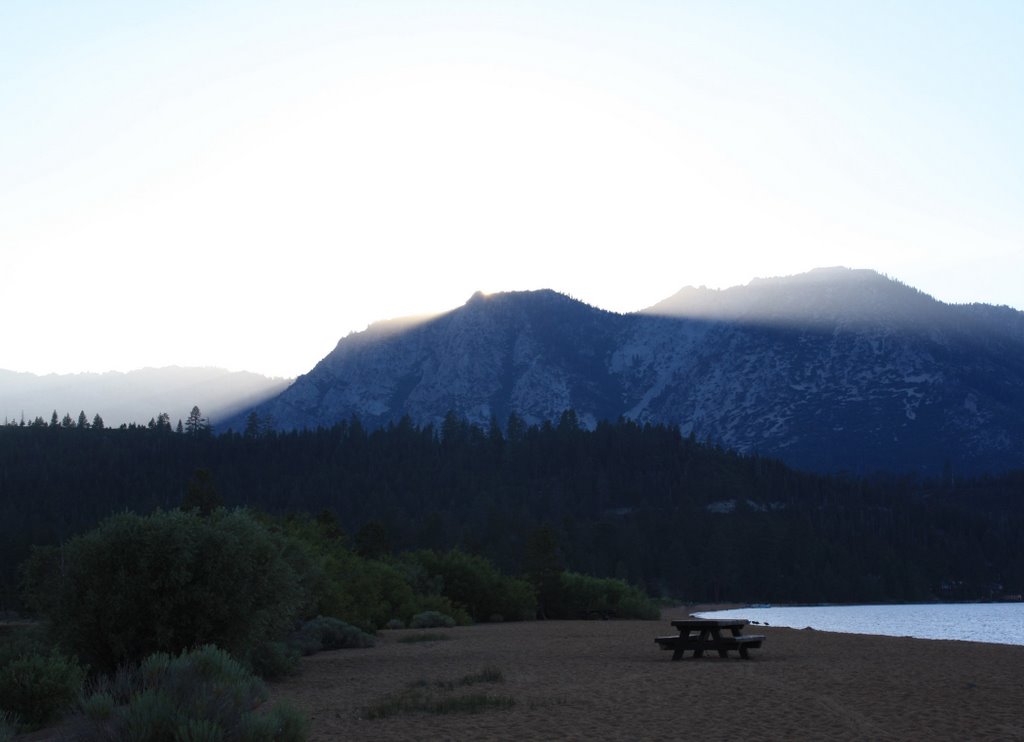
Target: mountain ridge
835,369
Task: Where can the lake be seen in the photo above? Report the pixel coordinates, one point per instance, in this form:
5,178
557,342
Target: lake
993,623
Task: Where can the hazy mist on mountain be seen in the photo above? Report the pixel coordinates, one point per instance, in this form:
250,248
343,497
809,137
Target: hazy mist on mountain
135,396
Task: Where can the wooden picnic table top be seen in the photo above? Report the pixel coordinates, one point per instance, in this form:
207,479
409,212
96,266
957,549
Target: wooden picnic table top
710,623
709,637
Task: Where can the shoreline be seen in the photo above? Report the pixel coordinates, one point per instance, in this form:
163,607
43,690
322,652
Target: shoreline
998,623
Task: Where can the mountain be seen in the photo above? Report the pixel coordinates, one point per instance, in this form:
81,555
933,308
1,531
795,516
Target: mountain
831,370
136,396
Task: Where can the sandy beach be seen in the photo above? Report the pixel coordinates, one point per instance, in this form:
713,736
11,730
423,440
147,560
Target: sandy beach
608,680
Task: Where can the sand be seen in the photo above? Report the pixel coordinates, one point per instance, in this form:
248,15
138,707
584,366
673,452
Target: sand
608,680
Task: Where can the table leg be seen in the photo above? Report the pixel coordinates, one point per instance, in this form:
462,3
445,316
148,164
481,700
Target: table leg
699,651
717,636
679,652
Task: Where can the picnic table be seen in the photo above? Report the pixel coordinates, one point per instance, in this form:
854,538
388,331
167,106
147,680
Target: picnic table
701,634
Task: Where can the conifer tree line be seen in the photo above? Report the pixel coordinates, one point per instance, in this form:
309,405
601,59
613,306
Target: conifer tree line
682,518
195,423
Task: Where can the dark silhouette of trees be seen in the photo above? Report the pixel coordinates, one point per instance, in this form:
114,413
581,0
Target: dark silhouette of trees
200,493
640,502
371,540
543,568
196,425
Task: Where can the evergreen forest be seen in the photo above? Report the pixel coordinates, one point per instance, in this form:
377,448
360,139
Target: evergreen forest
683,519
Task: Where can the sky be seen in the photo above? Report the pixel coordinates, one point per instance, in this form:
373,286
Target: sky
241,184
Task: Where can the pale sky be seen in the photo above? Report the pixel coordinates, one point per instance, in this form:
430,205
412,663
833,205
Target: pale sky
240,184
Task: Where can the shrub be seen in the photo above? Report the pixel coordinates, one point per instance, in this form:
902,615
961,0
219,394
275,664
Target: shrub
430,620
324,632
8,726
23,640
437,604
38,687
364,592
99,706
283,723
395,623
200,695
518,601
273,660
150,716
473,583
137,585
582,594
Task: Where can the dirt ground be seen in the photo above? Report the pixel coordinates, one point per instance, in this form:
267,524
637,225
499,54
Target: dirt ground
607,680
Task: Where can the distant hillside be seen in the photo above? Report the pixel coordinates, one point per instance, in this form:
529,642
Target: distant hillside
134,397
831,370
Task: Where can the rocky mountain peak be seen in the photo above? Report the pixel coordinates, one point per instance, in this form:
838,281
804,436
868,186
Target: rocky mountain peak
833,369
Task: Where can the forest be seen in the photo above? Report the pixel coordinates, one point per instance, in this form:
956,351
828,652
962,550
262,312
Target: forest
683,519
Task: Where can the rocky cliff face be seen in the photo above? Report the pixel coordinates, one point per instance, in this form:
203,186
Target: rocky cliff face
830,370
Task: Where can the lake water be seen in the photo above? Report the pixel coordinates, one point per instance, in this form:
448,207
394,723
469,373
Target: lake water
993,623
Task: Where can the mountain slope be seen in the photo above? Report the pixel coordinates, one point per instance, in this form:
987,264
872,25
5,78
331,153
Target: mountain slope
830,370
530,352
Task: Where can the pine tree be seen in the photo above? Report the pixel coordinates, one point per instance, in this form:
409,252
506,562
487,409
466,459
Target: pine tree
195,424
252,425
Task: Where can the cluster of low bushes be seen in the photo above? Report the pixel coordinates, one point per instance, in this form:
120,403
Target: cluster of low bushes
127,604
584,596
37,682
203,694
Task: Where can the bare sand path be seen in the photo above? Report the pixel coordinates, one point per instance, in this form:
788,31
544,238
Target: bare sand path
607,680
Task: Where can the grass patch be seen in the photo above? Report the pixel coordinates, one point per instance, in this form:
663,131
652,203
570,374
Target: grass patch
416,638
438,697
470,704
487,675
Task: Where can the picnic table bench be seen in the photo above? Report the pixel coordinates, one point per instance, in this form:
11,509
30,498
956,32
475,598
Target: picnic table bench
701,634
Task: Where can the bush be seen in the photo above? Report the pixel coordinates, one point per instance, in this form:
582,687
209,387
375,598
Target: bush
38,687
430,620
474,584
137,585
436,604
395,623
24,640
283,723
364,592
323,633
584,594
8,726
200,695
99,706
273,660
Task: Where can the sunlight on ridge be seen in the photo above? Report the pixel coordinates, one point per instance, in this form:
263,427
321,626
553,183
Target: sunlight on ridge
820,298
